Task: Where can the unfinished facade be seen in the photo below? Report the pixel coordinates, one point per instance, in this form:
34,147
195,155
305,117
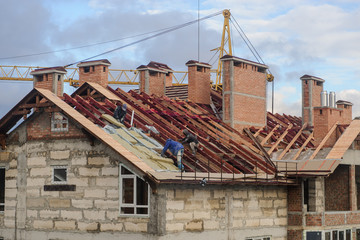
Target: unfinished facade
70,170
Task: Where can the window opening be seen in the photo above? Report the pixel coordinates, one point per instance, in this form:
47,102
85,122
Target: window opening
134,194
86,69
2,189
93,68
59,174
59,123
104,69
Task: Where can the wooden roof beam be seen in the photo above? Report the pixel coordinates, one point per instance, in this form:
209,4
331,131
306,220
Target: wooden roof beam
280,139
292,142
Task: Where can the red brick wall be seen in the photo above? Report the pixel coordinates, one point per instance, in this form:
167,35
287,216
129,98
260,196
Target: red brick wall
95,75
40,128
199,84
337,190
313,219
294,234
346,114
157,84
168,81
142,81
249,94
294,219
353,218
334,219
324,119
295,198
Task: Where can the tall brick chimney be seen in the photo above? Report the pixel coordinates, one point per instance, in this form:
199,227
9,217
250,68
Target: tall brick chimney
50,78
154,78
311,97
198,82
244,92
94,71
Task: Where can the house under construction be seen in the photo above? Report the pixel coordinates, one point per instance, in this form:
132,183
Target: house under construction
69,170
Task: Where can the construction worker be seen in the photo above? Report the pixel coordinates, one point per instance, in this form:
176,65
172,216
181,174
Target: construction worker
120,113
191,140
177,149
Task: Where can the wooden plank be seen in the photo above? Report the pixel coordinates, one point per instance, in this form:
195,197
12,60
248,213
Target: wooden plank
258,131
303,146
280,139
292,142
269,135
345,140
323,141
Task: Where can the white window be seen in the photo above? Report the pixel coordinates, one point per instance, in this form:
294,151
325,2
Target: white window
134,194
59,123
338,234
259,238
59,175
2,189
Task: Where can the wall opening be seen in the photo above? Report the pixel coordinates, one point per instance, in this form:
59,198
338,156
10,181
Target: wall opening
2,189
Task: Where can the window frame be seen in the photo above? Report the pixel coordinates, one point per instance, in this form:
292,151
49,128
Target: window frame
59,121
53,174
265,237
3,204
133,205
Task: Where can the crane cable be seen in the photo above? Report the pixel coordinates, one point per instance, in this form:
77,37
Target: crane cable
149,37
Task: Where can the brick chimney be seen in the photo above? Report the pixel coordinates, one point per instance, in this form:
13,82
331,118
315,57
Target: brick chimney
50,78
198,82
244,92
326,116
154,78
311,92
94,71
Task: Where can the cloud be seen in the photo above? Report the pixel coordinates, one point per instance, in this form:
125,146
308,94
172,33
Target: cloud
353,96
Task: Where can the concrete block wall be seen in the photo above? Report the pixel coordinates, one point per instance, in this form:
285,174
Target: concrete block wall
227,213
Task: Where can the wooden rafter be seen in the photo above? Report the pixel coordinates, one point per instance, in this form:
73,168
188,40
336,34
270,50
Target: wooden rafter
280,139
258,131
311,136
291,143
323,141
269,135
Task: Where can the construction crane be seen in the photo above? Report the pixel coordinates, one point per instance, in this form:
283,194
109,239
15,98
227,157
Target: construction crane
130,77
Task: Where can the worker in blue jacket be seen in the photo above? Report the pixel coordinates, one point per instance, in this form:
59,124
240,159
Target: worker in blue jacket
177,149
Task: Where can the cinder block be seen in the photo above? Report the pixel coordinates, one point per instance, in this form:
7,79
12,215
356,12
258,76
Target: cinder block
107,182
270,193
79,181
169,216
94,215
266,222
112,215
32,193
280,221
65,154
183,193
11,183
201,194
183,215
111,193
212,204
238,223
89,172
174,227
41,224
82,203
211,225
202,214
79,161
49,213
94,193
110,171
11,173
36,182
175,205
135,227
35,202
266,203
252,222
59,203
195,225
98,161
41,171
31,213
36,161
240,194
111,227
106,204
194,204
71,214
282,203
65,225
84,226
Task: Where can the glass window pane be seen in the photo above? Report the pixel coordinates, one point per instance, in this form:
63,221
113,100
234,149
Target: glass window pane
124,171
348,234
357,234
141,192
128,190
335,235
327,236
341,235
127,210
60,175
141,211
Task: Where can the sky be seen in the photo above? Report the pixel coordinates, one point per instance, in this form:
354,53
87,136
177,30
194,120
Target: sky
293,37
